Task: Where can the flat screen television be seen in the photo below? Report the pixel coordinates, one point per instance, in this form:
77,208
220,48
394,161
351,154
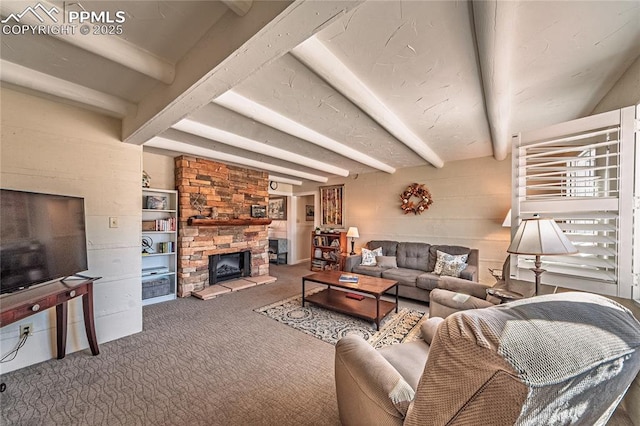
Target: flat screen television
42,238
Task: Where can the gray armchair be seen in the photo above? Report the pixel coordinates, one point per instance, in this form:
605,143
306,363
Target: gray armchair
454,294
563,358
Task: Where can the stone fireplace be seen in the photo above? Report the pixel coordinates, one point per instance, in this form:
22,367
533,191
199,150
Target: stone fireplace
223,195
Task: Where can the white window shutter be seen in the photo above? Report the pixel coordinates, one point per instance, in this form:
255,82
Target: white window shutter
583,174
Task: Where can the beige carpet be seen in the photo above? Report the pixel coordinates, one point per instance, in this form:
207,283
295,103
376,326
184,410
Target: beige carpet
214,362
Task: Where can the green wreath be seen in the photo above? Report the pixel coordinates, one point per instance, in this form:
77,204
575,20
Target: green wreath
424,199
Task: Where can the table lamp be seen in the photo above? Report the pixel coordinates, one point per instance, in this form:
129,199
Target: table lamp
353,234
540,236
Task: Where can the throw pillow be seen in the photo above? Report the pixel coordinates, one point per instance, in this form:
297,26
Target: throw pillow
449,264
386,261
369,256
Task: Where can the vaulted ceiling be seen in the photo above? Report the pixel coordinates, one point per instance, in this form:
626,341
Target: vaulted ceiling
307,90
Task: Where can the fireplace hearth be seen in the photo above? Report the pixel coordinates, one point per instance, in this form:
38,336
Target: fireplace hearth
229,266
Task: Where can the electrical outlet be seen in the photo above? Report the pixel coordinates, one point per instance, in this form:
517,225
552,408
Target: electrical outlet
113,222
26,329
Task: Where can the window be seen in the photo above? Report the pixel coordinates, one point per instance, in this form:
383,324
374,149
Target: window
581,173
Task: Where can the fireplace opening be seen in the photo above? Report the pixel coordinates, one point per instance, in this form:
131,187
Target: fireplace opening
229,266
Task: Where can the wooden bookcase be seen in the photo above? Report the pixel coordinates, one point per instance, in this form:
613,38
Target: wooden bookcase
327,249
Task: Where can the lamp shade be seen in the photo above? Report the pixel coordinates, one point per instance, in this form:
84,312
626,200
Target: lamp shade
353,232
540,236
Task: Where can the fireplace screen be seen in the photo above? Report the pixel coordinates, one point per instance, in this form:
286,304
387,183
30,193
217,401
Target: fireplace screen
227,266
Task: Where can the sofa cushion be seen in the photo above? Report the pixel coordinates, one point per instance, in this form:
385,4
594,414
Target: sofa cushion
386,261
427,281
449,264
369,256
433,253
389,248
414,256
404,276
372,271
470,273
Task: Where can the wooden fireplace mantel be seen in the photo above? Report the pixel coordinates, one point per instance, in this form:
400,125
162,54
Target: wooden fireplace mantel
228,222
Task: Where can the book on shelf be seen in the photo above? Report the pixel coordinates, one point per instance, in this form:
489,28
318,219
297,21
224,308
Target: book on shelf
320,241
166,247
163,225
318,265
346,278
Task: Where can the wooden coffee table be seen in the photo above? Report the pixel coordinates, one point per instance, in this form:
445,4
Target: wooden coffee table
369,308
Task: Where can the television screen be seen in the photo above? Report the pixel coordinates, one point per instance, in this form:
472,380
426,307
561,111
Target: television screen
42,238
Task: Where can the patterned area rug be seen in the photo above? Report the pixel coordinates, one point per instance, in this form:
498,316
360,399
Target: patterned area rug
330,326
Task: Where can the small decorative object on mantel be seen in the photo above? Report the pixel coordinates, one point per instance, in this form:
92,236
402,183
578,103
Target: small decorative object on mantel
198,202
420,192
258,211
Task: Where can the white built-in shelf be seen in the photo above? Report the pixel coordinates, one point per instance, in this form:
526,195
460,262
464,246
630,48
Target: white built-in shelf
162,274
166,262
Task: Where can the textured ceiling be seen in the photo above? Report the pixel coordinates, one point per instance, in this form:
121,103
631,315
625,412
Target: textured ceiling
308,90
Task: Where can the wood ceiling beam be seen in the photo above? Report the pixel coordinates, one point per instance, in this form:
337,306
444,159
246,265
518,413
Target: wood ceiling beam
285,180
212,133
112,47
239,7
494,24
35,80
229,52
245,106
165,143
319,59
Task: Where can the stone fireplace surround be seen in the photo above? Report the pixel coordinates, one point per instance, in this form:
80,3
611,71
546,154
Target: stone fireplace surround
227,192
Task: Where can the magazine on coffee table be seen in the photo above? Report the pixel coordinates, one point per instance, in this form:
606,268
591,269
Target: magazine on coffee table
346,278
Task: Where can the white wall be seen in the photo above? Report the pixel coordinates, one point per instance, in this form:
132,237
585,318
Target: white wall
471,199
56,148
281,228
161,168
303,230
624,93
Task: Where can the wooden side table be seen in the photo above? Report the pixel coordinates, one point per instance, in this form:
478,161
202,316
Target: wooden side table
17,306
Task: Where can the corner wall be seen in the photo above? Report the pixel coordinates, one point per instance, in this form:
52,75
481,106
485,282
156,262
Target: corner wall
471,199
161,169
56,148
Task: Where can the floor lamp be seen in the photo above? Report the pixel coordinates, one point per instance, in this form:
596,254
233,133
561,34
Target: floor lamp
540,236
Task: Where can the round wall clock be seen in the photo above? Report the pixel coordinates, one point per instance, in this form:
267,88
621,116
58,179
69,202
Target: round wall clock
273,185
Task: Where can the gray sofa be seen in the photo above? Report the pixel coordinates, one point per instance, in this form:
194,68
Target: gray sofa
415,265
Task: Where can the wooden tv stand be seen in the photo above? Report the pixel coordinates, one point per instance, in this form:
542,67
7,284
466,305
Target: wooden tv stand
24,303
